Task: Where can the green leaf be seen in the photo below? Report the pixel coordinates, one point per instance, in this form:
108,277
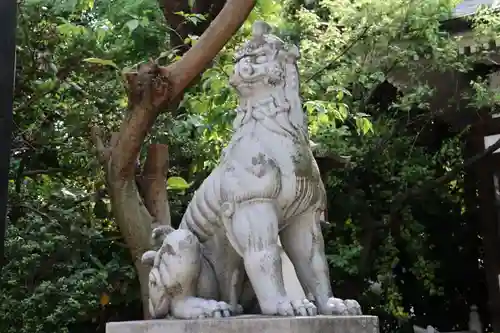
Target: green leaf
343,111
363,125
177,183
340,95
89,4
323,118
132,25
103,62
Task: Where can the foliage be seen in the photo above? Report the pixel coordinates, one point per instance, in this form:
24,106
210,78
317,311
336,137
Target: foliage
395,141
68,269
65,275
64,253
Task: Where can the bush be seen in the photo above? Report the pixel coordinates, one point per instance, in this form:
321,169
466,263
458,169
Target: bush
65,275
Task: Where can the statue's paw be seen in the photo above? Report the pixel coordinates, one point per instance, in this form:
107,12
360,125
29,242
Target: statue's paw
237,310
335,306
292,308
304,308
339,307
160,232
148,258
214,309
353,307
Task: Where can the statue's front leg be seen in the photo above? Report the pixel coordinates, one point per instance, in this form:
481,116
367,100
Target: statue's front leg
254,226
303,242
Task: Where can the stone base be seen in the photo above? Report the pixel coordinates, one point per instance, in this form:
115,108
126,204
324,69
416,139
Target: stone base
251,324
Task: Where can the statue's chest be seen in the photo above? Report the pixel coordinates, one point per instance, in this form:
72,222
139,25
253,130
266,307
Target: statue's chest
287,164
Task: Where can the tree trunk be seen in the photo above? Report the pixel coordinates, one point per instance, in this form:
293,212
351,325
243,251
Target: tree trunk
153,89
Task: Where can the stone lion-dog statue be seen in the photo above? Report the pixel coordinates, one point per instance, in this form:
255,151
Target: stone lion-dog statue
265,196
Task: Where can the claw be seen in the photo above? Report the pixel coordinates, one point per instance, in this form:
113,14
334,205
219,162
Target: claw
215,309
353,307
296,308
310,308
337,306
237,310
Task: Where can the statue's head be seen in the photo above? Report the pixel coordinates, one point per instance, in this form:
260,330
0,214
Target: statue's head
261,61
173,266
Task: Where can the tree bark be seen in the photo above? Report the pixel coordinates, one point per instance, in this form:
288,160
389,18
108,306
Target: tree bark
154,184
180,28
152,89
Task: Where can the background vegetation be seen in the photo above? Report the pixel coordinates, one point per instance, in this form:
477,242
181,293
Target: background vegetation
67,268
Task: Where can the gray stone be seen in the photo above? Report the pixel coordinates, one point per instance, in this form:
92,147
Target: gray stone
252,324
252,229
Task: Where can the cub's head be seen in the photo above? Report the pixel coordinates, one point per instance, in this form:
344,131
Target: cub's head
173,268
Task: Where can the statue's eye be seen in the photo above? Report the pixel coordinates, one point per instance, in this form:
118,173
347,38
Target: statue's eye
261,59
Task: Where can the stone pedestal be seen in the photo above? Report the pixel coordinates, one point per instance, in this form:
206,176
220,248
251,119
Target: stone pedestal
251,324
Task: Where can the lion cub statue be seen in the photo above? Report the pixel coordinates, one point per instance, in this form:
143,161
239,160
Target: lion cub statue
173,279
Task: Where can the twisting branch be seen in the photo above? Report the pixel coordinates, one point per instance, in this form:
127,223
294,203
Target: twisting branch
103,152
31,173
223,27
346,49
419,190
153,87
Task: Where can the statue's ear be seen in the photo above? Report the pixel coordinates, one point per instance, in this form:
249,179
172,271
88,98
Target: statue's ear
170,250
148,258
160,233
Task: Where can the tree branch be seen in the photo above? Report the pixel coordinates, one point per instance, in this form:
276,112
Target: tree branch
180,26
346,49
418,190
30,173
38,212
223,27
103,152
153,87
100,193
154,183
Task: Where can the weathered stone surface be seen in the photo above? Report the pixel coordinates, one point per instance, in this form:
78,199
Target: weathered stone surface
252,324
252,231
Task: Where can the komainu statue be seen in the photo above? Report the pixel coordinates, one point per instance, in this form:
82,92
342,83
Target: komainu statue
265,196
